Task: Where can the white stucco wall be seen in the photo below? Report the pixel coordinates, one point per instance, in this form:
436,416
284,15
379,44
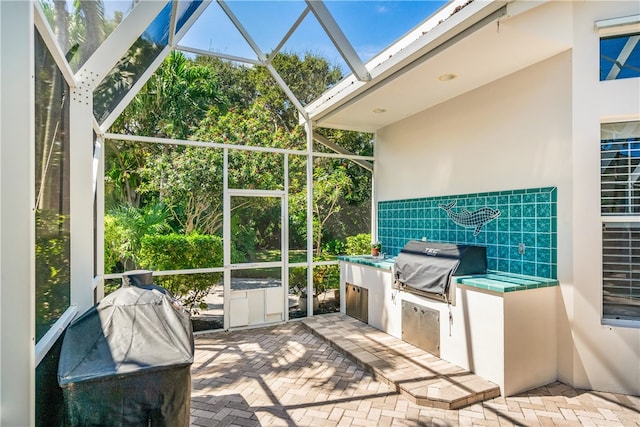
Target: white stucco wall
512,134
538,127
602,357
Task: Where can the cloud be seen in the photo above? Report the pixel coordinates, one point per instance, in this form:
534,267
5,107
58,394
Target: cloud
382,9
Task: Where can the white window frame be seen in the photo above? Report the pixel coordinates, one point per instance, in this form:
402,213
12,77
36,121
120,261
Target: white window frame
618,27
615,219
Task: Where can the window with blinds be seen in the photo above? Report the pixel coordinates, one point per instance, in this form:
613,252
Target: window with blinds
621,270
620,210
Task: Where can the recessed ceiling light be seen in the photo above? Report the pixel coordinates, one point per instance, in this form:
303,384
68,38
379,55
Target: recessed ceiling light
379,110
447,77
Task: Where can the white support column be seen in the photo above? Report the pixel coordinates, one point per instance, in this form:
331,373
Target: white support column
374,195
81,192
309,130
99,194
17,196
226,242
285,238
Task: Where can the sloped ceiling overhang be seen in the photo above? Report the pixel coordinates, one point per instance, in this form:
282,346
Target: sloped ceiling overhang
479,44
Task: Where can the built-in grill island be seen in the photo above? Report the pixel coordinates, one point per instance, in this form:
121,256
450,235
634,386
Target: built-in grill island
425,268
442,299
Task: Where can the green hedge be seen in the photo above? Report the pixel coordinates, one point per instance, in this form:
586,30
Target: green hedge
179,252
359,244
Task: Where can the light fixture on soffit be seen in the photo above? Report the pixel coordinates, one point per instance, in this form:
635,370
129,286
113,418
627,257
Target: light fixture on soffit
447,77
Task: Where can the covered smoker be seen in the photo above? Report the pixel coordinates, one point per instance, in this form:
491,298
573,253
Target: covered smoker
127,360
425,268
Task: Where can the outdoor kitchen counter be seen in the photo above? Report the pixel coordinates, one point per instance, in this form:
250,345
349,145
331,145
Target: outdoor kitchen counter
500,326
386,263
496,281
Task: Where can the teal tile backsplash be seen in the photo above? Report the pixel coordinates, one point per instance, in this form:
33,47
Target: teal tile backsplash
504,221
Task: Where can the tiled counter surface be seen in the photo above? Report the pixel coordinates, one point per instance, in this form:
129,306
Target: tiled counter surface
502,326
385,263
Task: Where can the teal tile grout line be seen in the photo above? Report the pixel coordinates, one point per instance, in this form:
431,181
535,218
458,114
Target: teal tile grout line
527,217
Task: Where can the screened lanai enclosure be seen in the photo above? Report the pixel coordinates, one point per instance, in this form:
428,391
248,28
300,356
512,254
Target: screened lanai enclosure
242,150
205,170
176,137
190,118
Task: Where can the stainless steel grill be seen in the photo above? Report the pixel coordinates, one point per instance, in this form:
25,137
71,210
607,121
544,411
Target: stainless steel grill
425,268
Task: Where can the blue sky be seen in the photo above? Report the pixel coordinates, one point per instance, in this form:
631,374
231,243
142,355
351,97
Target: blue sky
370,25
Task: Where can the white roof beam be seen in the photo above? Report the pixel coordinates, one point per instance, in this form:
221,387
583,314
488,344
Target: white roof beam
263,59
217,55
131,93
173,22
192,20
341,150
622,58
293,28
243,32
54,49
112,49
339,40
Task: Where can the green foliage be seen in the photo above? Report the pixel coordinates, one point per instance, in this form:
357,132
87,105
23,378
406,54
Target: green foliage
307,77
171,104
244,239
234,80
124,229
210,99
179,252
53,271
116,245
359,244
326,277
174,100
330,182
335,247
188,180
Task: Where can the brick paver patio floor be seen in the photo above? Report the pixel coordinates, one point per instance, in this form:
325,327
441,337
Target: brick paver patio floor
285,376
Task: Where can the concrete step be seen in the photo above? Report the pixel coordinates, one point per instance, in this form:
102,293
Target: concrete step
420,376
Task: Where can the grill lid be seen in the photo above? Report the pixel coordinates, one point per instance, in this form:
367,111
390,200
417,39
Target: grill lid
428,266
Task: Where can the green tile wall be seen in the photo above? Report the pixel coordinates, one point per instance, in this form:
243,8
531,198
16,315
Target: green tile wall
527,217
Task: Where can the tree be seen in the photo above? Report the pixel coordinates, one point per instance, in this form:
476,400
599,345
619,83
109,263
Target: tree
173,101
253,111
188,180
307,77
171,104
329,184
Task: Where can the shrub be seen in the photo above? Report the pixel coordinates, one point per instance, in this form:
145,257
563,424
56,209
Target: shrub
359,244
336,247
179,252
